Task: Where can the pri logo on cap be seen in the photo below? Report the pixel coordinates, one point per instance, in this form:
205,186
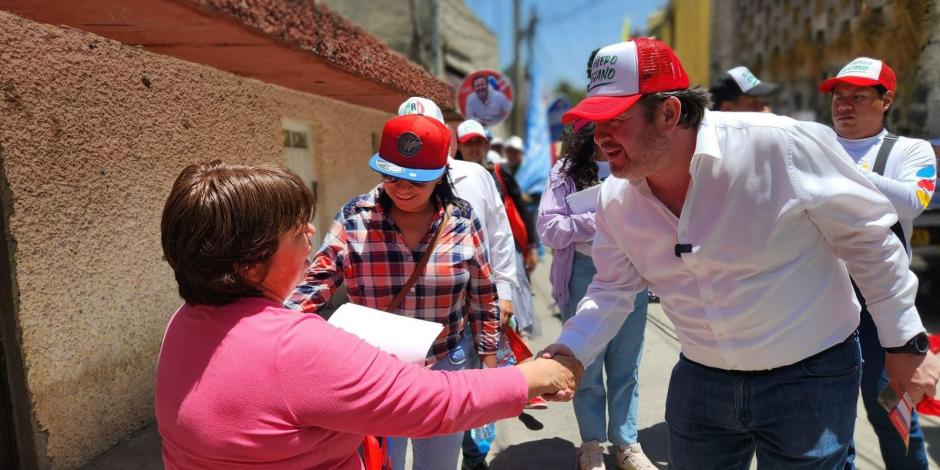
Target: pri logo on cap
408,144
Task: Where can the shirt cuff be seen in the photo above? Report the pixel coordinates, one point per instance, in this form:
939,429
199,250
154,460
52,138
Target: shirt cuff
579,345
895,329
504,290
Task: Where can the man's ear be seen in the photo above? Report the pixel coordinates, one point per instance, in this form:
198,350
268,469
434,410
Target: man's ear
888,99
669,112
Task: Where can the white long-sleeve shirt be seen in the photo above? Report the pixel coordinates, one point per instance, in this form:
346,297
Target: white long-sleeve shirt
772,208
475,185
909,175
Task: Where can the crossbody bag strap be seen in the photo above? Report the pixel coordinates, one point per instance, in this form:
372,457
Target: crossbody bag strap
881,161
419,268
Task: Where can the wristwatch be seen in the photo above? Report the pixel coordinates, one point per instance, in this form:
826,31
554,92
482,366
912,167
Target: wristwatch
918,345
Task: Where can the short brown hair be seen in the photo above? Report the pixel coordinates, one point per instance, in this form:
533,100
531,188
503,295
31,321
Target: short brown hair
694,102
221,218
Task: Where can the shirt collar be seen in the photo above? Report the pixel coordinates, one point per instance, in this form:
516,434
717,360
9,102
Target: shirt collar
706,139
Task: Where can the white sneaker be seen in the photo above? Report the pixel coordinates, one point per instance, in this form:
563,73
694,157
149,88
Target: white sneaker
633,458
591,456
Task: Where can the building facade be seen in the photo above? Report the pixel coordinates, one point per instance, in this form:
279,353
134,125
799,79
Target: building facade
101,106
799,43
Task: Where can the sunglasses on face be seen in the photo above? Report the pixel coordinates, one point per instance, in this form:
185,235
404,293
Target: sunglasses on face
393,180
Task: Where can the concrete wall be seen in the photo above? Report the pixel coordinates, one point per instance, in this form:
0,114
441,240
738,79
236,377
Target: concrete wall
92,134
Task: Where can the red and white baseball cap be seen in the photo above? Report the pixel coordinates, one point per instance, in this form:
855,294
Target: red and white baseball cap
622,73
863,71
470,129
413,147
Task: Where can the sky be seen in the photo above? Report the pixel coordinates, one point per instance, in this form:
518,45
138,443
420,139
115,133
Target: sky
566,33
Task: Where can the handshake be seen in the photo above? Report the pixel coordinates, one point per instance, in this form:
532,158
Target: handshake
554,375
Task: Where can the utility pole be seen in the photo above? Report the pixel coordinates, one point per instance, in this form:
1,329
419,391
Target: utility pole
519,74
436,62
516,123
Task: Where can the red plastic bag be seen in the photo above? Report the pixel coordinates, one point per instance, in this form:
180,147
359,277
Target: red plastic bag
519,349
375,453
930,405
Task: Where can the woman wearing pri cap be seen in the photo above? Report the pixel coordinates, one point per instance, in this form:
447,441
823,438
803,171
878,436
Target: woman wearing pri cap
377,241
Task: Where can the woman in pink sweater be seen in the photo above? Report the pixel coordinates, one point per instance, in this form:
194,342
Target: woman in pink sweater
243,382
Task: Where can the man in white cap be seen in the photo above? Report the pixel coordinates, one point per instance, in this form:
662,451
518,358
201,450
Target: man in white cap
747,225
739,90
515,153
495,155
905,171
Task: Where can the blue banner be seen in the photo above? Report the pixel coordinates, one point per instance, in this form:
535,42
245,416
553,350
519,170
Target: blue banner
533,173
555,111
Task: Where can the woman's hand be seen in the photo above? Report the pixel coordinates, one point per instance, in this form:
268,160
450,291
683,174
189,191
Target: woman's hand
505,314
558,376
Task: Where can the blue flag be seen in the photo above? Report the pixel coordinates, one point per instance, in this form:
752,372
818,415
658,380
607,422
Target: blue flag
533,173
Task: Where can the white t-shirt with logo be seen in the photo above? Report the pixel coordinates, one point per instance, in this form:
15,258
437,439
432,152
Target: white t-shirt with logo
909,175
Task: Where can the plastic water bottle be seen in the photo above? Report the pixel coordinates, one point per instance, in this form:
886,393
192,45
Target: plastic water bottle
483,436
504,354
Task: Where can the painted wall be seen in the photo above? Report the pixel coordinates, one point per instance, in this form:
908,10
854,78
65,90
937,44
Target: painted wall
92,134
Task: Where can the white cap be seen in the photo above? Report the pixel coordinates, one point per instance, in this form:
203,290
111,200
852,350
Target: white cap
469,129
496,141
515,142
422,106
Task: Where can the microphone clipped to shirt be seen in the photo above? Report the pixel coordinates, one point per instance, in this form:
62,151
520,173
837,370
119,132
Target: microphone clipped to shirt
683,248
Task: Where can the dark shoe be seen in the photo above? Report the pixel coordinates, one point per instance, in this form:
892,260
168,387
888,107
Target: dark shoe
530,422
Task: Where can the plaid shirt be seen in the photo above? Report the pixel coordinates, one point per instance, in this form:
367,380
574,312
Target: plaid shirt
365,250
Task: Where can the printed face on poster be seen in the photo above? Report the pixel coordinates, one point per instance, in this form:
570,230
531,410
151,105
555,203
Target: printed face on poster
486,96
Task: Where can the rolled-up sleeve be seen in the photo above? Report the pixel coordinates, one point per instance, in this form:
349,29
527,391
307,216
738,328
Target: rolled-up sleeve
325,273
855,219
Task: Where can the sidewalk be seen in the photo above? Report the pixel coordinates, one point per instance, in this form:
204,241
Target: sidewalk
554,446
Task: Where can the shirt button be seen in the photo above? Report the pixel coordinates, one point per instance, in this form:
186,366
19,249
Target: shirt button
412,289
411,258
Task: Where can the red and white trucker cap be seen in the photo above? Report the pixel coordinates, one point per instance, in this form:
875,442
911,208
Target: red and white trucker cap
470,129
622,73
863,71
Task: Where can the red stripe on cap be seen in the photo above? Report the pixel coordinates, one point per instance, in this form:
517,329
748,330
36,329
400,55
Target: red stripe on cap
600,108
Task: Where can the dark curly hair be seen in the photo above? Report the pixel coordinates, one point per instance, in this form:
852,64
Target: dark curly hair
577,150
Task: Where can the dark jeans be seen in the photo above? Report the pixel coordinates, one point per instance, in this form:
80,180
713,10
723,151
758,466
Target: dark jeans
874,380
800,416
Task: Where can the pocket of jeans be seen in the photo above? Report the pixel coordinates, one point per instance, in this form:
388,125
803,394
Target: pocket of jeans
843,360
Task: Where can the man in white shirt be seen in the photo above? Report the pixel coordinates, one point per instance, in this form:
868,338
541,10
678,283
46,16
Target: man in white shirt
904,170
744,224
486,105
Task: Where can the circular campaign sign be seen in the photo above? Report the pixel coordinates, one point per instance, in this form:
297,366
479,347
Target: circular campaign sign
485,95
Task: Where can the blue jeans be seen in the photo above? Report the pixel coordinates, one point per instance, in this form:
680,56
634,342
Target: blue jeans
874,380
800,416
438,452
620,359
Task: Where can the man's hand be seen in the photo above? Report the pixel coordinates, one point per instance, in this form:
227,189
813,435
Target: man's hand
559,351
505,314
917,375
551,378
